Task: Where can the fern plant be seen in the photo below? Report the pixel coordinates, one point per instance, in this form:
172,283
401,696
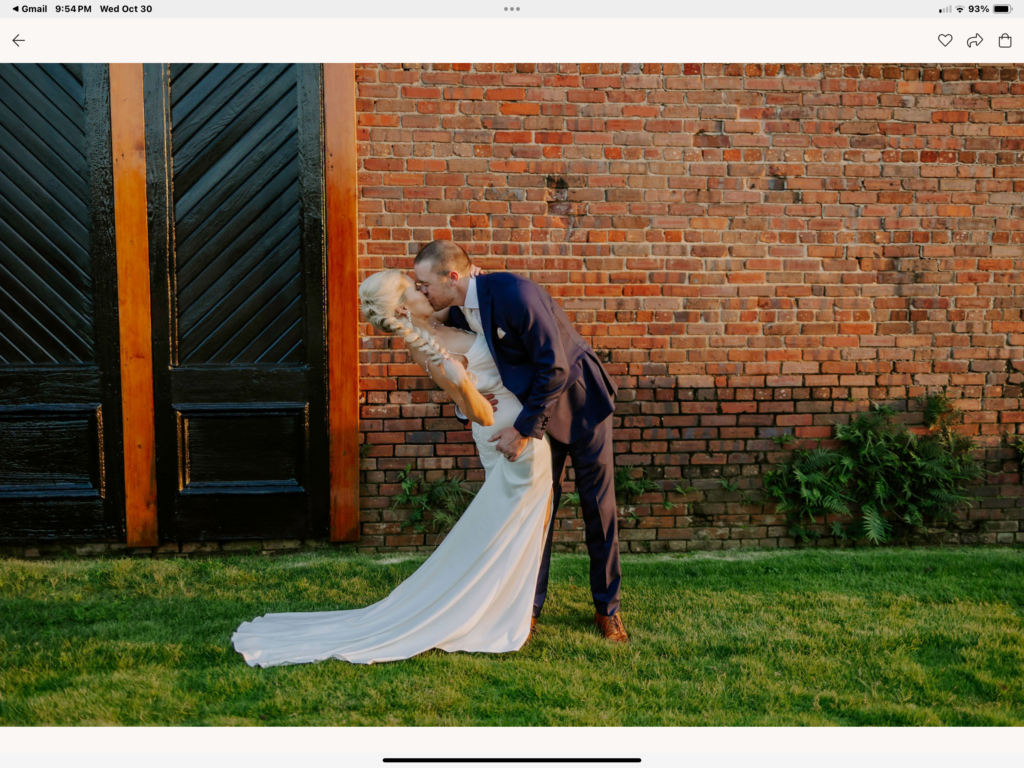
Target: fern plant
436,506
628,488
884,476
570,499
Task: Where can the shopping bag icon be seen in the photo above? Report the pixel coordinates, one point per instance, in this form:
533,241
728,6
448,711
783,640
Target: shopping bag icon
1005,41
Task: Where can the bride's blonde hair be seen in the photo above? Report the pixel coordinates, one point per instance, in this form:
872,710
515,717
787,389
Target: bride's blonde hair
380,295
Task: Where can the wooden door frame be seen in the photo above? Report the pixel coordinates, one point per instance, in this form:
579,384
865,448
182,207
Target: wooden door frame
343,309
128,141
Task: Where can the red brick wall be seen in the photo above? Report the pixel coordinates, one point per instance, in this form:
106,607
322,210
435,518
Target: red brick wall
754,249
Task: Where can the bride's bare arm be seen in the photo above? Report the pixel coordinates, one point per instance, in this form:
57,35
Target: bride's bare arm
474,405
461,390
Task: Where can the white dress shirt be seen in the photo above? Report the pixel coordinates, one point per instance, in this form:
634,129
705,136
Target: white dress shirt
471,308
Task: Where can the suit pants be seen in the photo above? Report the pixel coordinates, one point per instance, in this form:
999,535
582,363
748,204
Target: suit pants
593,462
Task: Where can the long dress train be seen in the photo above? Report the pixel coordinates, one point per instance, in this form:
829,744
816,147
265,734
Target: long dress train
474,593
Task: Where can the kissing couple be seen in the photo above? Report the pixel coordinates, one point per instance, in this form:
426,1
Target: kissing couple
535,393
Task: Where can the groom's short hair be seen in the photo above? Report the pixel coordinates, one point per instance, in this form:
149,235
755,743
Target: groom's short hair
444,256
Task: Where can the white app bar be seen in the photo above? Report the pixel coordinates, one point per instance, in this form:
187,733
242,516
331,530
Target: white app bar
976,40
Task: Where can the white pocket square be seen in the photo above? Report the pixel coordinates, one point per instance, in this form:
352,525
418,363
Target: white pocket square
501,334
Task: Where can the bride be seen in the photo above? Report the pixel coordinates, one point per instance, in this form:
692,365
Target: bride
475,591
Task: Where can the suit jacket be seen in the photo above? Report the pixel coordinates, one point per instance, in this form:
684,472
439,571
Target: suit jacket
542,360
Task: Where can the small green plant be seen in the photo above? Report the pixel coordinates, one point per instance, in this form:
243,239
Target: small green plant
436,506
680,488
783,440
627,490
733,487
570,499
883,476
1017,443
938,410
364,450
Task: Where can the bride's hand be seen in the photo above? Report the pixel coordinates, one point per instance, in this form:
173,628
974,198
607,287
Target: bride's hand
455,371
473,404
475,271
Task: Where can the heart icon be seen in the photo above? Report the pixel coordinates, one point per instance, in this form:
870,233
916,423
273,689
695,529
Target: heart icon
945,40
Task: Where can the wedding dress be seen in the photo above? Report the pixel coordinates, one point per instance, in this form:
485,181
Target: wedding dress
474,593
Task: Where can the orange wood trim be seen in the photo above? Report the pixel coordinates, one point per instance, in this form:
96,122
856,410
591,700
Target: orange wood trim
342,307
132,237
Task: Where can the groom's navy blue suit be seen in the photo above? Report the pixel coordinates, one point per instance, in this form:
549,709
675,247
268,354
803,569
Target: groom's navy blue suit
565,393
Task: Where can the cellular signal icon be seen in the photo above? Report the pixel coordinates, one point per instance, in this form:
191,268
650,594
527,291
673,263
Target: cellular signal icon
947,9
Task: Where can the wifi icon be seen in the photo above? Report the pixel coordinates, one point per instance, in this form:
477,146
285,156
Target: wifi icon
959,9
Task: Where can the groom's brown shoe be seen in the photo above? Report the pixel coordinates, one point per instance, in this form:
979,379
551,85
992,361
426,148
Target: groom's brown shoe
611,627
533,626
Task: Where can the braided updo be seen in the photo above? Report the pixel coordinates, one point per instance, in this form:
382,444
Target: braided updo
380,295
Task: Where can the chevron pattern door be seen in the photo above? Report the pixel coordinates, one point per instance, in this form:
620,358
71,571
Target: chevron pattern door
235,187
61,471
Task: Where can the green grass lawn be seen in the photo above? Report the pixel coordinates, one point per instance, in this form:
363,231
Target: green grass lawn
851,637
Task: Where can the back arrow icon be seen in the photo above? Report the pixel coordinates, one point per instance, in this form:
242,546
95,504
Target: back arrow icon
17,39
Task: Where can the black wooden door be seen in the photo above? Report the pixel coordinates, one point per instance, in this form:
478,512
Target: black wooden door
61,456
235,189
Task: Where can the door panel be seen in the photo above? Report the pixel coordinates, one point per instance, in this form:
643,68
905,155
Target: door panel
238,299
61,461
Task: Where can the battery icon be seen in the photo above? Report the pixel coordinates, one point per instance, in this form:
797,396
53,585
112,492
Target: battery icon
1002,8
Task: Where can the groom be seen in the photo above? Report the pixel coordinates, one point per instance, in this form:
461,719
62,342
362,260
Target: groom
564,391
